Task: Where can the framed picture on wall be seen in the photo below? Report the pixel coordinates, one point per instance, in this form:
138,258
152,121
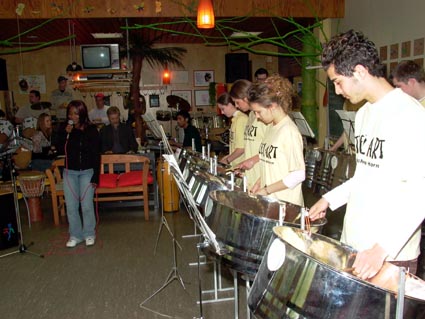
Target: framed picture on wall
202,98
154,100
184,94
203,77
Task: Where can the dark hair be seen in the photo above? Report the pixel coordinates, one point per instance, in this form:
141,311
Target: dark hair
36,93
349,49
225,99
261,71
185,115
113,110
82,112
239,89
2,114
275,89
406,70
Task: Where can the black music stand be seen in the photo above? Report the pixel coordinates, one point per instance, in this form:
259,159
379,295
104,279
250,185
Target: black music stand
302,125
348,119
22,248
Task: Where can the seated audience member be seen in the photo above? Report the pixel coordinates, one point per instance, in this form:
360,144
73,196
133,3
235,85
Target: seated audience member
117,137
98,115
43,152
261,75
190,132
27,110
237,129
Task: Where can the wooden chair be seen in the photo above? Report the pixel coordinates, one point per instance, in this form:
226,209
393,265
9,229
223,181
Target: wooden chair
54,175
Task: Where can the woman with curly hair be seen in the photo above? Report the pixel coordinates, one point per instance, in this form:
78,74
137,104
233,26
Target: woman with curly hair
282,168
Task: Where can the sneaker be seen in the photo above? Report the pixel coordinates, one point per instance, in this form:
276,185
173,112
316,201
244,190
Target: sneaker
90,241
72,242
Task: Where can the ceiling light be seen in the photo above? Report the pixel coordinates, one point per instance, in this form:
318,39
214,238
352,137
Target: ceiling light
205,16
111,35
244,34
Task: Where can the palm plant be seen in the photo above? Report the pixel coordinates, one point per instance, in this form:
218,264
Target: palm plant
141,50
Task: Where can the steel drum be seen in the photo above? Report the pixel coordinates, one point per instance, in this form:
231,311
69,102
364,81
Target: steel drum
311,155
243,226
303,276
345,166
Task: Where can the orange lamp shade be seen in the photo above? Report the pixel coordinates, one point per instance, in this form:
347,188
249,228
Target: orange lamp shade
166,77
206,18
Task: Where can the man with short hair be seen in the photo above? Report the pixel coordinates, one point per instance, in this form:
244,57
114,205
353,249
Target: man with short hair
28,110
99,114
117,137
60,98
261,74
410,77
390,175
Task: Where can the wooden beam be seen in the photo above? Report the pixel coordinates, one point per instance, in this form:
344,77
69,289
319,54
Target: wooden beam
45,9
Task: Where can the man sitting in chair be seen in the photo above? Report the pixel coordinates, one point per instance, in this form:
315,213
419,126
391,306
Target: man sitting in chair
117,137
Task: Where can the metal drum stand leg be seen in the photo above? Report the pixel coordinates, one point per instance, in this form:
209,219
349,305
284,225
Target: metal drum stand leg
22,248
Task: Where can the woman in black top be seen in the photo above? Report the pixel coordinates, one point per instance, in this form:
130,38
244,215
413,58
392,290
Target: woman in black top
81,147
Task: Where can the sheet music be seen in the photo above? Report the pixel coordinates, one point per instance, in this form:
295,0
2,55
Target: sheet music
348,119
191,203
302,124
164,138
152,123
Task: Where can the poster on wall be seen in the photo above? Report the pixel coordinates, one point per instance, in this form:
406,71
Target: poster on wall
35,82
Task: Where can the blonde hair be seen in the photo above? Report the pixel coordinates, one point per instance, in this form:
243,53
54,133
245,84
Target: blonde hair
275,89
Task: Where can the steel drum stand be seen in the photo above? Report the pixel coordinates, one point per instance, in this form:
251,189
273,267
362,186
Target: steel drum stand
22,248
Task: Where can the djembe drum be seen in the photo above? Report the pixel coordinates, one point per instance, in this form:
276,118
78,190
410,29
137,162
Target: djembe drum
32,187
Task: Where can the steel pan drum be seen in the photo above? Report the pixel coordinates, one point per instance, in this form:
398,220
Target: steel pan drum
243,226
302,276
345,166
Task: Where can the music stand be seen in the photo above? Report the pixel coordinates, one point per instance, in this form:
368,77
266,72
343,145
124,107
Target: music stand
153,124
302,124
348,119
22,248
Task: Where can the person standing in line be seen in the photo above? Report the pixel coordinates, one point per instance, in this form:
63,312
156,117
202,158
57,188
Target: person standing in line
390,175
80,143
410,77
237,128
117,137
282,168
253,134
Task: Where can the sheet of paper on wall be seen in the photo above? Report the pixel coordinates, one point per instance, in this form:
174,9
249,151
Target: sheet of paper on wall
302,124
348,118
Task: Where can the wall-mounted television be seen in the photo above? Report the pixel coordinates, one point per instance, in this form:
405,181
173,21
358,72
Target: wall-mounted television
100,56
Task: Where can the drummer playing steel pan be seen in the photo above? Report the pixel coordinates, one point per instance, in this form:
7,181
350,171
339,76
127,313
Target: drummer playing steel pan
384,208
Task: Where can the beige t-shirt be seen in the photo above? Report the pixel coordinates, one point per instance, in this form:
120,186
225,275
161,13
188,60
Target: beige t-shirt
236,136
281,152
253,136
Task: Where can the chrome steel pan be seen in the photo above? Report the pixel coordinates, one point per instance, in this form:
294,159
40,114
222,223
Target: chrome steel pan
304,276
243,226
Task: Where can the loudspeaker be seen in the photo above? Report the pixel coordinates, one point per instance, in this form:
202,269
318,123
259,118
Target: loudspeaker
3,76
237,67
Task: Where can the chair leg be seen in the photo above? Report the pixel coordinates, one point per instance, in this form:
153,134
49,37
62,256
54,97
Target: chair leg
55,209
146,202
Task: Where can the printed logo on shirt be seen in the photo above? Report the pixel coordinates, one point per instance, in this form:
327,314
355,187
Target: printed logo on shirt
250,131
268,151
372,149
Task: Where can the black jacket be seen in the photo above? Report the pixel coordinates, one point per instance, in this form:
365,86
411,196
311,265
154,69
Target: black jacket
81,149
126,137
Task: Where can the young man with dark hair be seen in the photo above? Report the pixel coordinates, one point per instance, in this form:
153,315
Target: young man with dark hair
390,175
410,77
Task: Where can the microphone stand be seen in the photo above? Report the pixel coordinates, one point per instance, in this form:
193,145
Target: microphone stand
22,248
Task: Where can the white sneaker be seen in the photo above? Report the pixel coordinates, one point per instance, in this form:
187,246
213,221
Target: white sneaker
90,241
72,242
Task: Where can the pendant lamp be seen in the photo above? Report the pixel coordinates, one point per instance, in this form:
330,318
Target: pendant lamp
205,15
166,76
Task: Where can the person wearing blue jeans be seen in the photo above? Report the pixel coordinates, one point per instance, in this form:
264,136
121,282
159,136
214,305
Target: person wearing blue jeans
79,141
